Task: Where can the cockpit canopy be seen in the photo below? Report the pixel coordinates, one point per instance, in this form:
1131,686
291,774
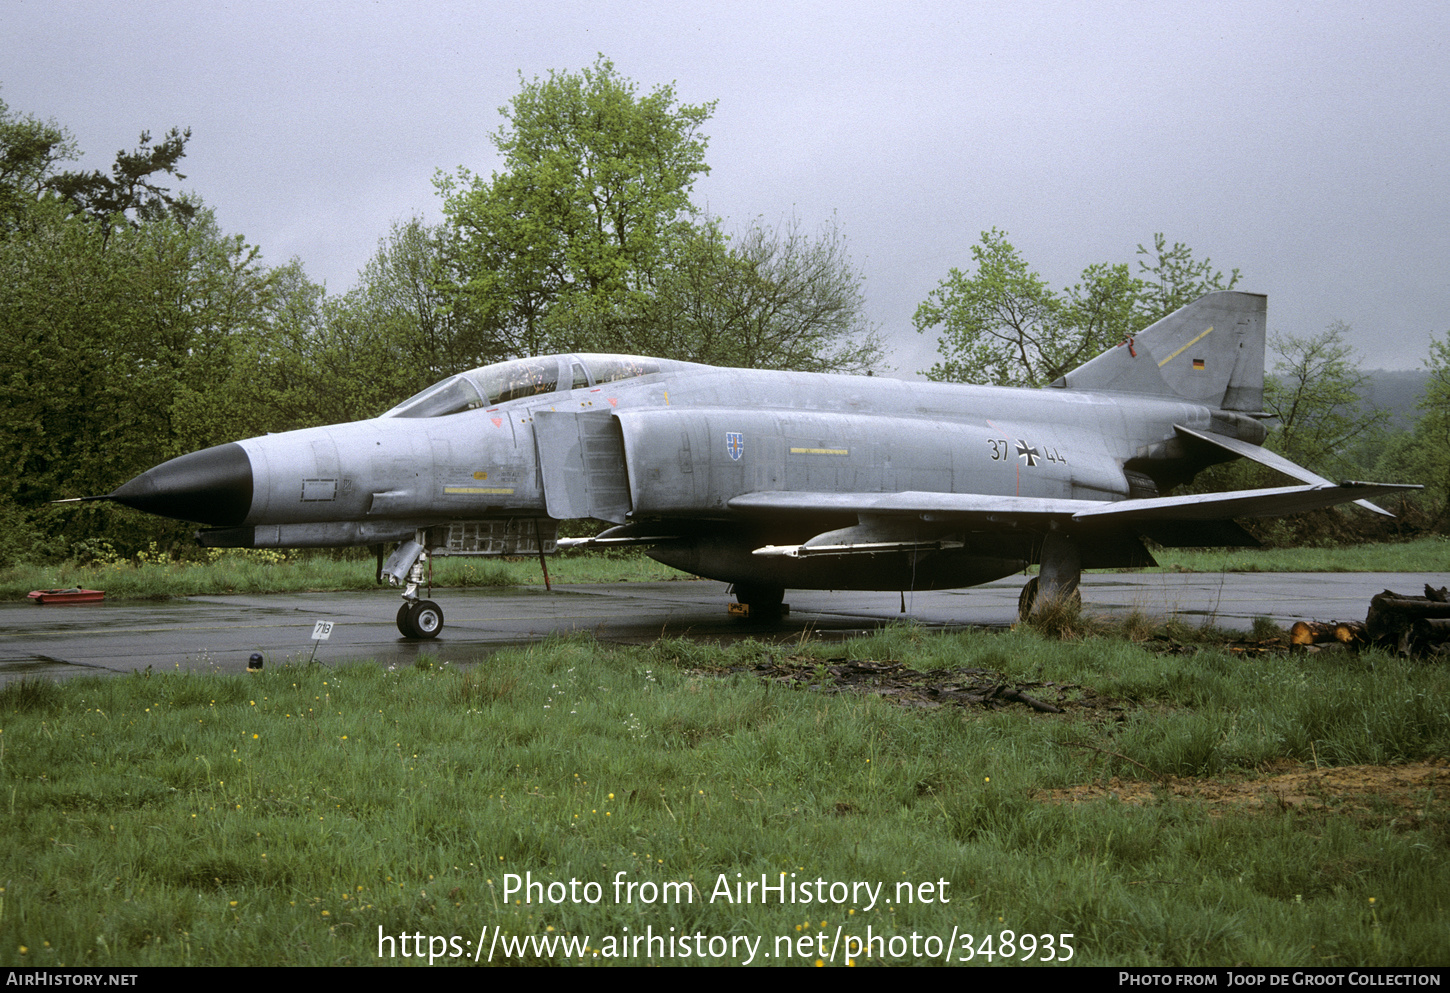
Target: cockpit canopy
491,385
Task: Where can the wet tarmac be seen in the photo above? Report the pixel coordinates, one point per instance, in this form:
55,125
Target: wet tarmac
221,632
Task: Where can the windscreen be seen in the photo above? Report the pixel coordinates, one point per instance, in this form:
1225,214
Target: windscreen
448,397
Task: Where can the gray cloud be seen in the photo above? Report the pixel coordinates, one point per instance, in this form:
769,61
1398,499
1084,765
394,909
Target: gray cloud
1306,146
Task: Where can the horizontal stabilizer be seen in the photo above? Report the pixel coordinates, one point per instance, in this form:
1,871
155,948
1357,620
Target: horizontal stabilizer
1264,457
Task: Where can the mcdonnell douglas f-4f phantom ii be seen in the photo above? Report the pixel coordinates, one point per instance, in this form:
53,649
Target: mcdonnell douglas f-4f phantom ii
776,480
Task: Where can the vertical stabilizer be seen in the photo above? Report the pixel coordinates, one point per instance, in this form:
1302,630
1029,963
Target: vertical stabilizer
1209,352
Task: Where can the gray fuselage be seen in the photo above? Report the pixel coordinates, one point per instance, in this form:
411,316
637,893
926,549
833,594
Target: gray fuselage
676,447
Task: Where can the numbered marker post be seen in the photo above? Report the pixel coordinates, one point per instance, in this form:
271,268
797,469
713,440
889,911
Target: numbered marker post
321,631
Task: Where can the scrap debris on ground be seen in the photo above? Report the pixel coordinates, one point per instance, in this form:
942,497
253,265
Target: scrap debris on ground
1412,626
963,687
1417,626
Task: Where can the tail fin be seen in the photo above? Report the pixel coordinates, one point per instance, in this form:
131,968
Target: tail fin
1209,352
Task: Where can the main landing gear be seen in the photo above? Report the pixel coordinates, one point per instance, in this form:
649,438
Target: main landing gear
1057,582
417,618
759,602
1028,598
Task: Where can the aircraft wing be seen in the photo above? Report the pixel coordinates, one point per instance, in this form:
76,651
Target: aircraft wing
931,505
988,509
1195,519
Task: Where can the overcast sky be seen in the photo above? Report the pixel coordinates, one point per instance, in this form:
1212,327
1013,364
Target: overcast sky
1304,144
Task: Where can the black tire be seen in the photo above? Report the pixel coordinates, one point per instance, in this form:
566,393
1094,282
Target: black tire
426,619
403,627
1028,599
759,594
763,600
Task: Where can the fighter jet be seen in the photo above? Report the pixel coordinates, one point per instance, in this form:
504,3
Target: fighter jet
776,480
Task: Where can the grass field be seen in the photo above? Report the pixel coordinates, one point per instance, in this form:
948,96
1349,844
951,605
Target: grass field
289,817
274,572
1422,555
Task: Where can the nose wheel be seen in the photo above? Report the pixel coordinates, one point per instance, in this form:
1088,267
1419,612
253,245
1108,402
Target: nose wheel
416,618
420,619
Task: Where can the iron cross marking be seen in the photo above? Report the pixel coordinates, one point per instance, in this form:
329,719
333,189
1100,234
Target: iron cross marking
1027,452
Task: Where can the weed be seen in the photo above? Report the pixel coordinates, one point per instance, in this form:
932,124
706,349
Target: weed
29,694
1267,629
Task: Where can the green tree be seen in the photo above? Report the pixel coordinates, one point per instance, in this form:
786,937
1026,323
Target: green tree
242,382
1314,395
129,326
30,149
594,196
1003,324
328,359
403,288
998,325
103,340
1436,419
1174,279
1423,456
129,192
770,298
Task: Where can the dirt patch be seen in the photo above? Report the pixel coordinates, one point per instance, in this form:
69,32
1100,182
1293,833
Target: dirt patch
1404,793
1416,790
965,687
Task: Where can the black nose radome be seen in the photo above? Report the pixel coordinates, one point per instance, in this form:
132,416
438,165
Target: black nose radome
212,486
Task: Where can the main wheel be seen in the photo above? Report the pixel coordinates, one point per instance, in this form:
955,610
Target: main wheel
1028,599
426,619
763,600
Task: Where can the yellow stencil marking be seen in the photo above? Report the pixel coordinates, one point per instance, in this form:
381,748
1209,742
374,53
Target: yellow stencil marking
495,490
1183,349
820,451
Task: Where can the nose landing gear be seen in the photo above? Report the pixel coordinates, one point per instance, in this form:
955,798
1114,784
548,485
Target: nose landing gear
417,618
423,619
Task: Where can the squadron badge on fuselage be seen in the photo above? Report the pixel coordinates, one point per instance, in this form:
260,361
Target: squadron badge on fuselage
735,444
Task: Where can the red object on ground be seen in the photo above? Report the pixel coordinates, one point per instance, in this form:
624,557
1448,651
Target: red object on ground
72,595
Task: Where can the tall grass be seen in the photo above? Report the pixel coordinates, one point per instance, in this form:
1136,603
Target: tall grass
284,818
